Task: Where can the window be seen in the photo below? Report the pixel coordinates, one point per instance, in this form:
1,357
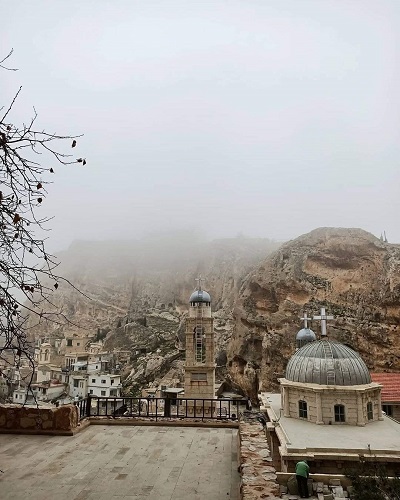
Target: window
103,393
339,413
103,381
303,409
388,409
112,381
199,377
370,413
78,343
91,391
76,383
69,342
93,380
199,344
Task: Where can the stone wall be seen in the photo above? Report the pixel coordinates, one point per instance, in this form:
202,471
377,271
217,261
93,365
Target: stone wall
32,420
321,401
255,463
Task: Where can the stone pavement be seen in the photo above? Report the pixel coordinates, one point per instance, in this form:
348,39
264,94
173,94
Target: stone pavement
121,462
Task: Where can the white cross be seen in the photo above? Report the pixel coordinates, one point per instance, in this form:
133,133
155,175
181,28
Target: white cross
305,319
323,318
199,280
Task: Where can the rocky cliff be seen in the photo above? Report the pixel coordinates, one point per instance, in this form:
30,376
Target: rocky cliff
353,274
137,292
135,297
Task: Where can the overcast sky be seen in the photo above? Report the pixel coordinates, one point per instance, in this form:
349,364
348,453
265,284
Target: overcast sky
266,117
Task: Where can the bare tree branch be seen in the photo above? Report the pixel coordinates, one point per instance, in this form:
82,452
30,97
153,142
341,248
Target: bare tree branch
4,59
28,275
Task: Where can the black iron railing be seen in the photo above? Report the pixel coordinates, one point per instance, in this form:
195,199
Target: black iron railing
159,408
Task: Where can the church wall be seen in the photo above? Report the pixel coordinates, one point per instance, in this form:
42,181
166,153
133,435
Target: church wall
354,400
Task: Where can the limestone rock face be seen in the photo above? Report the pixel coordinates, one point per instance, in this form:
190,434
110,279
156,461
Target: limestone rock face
136,299
353,274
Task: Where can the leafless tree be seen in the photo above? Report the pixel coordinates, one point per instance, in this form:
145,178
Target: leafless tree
28,158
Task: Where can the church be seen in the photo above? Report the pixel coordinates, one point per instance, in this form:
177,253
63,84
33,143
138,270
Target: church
329,411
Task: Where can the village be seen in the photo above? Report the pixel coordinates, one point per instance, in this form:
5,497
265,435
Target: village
64,370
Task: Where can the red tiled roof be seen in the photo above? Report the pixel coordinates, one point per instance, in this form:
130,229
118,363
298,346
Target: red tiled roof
391,385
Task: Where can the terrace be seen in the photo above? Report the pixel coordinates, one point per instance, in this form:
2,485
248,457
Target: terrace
121,462
138,449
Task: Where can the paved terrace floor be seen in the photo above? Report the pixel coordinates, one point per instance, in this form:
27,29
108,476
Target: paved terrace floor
119,462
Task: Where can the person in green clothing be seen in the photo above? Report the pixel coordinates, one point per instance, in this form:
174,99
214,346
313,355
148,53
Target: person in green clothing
302,473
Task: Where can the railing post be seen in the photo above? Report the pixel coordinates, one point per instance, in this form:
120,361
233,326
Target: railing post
88,406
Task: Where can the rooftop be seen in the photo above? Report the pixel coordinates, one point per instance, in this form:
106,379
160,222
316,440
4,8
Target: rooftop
391,385
382,436
124,462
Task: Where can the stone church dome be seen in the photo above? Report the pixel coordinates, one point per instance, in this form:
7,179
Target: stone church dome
325,362
200,296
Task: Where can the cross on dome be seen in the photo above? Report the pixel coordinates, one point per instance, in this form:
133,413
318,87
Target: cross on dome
305,319
199,280
323,318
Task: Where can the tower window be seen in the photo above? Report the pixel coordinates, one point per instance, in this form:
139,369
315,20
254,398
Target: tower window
303,409
339,413
199,344
370,413
199,377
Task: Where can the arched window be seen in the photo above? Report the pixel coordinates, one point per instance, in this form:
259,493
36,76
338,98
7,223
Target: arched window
339,413
199,344
370,412
303,409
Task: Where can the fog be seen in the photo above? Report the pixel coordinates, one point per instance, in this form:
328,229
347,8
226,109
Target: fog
266,118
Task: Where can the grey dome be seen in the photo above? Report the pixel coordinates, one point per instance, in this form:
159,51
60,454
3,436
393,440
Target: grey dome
325,362
200,296
305,334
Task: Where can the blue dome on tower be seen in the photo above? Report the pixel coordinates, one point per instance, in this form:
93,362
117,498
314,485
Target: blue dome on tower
200,296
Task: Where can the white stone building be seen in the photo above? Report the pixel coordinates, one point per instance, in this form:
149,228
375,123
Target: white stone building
104,385
78,385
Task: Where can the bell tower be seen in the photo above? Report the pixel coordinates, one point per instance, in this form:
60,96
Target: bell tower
200,358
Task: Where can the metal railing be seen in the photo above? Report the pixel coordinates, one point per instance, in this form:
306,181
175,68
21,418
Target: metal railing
158,408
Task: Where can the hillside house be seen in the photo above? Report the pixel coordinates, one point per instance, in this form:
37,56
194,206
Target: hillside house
104,385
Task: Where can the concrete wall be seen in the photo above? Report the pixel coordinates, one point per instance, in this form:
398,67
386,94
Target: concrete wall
33,420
